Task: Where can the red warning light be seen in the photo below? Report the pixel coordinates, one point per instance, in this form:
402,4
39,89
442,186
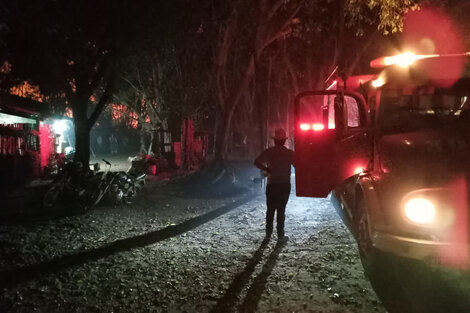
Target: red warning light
318,127
315,127
358,170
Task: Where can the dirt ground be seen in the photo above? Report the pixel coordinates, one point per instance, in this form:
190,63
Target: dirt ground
183,249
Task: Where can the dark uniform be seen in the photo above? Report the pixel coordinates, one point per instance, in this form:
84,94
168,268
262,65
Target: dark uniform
276,161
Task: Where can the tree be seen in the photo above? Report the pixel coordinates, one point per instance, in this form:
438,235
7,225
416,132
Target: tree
68,50
242,36
142,85
164,84
239,57
249,32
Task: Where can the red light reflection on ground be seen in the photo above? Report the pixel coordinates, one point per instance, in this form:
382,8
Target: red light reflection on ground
457,253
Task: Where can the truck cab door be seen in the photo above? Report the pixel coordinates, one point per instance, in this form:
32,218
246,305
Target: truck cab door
331,140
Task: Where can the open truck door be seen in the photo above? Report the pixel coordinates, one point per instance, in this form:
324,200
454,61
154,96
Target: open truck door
331,140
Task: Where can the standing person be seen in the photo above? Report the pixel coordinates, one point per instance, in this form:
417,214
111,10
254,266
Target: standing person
276,163
113,144
125,142
99,141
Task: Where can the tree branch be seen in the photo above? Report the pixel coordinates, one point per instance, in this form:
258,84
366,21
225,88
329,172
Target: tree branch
275,8
103,100
282,31
131,84
100,72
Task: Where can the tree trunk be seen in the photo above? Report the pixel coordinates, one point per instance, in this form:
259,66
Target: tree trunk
224,127
229,102
142,140
82,144
223,134
152,136
339,41
364,47
219,137
187,140
82,131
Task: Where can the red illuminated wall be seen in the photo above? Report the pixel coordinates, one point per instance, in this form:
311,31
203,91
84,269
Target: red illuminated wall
46,143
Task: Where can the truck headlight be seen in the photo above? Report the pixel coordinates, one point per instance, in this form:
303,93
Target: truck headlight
420,211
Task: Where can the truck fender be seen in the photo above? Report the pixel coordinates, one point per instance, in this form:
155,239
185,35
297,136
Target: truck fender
366,188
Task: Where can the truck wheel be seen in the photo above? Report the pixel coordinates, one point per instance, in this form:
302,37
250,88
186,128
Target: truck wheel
379,268
364,243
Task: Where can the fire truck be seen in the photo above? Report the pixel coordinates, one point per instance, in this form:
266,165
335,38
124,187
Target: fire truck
392,151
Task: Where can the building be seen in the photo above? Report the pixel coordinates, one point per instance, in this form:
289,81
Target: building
25,142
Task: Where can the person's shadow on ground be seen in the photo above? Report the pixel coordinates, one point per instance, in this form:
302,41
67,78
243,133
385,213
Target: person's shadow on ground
227,302
259,283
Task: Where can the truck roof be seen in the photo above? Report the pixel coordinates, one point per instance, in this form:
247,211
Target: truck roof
439,70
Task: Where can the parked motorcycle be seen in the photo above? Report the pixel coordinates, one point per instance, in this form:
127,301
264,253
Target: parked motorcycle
126,185
103,182
76,185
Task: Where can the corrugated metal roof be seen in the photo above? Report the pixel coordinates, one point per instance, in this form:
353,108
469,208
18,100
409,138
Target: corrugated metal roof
18,104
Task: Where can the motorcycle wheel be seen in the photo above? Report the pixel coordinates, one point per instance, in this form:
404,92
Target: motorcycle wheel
130,195
94,198
51,196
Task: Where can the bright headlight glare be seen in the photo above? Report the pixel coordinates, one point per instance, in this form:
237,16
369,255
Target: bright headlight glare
420,210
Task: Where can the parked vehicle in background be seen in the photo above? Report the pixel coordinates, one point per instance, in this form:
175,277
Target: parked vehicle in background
84,189
392,151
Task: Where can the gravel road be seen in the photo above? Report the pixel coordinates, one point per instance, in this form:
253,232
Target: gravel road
179,252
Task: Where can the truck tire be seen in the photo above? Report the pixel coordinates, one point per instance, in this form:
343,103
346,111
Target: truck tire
379,267
364,244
